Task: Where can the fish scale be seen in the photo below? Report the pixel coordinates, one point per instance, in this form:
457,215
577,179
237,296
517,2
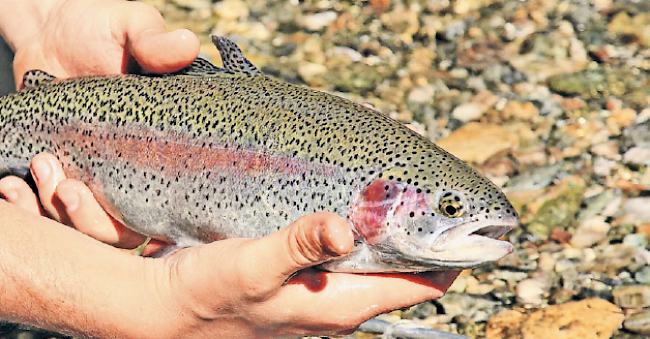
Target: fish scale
211,153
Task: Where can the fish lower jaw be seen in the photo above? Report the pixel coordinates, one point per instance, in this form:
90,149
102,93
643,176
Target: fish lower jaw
471,244
478,232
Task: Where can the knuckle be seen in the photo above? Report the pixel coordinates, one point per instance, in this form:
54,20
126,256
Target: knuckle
303,250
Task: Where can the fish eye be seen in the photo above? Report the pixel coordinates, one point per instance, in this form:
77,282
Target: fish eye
450,204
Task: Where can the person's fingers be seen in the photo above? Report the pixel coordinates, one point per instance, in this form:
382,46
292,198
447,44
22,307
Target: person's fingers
340,301
48,173
308,241
17,192
155,49
87,216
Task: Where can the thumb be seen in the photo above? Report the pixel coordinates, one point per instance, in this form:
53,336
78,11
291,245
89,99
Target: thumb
308,241
155,49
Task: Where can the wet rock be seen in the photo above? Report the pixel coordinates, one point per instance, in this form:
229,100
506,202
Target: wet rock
530,292
557,207
534,179
318,21
590,232
598,205
472,306
637,156
639,240
604,167
638,322
593,84
632,296
642,276
637,209
637,26
560,235
422,95
477,142
586,319
638,135
545,55
231,9
311,73
467,112
520,110
621,118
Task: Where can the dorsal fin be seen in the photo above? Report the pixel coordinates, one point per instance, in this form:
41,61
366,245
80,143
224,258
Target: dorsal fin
201,67
232,57
35,78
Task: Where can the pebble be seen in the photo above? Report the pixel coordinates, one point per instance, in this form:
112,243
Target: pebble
637,209
472,306
586,319
520,110
638,240
318,21
311,72
530,292
477,142
637,156
546,262
638,322
467,112
231,9
556,207
632,296
590,232
642,276
422,94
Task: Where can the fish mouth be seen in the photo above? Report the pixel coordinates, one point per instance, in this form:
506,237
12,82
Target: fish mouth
469,244
476,232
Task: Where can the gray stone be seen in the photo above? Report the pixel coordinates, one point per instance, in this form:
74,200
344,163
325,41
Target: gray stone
637,156
638,209
638,240
632,296
638,322
642,276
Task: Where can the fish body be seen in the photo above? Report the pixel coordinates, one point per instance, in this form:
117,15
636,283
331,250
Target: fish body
211,153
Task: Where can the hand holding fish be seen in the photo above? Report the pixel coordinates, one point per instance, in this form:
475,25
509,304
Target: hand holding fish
69,38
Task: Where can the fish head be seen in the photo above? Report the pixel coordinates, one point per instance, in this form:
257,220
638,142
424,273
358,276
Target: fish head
442,215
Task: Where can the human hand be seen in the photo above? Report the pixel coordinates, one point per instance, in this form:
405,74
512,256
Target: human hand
112,35
240,288
70,202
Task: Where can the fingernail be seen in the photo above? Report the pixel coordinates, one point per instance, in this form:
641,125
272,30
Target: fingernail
70,200
41,171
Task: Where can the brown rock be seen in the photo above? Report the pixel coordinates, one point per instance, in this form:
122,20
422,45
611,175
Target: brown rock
560,235
380,6
586,319
505,325
520,110
573,104
499,167
645,228
622,117
477,142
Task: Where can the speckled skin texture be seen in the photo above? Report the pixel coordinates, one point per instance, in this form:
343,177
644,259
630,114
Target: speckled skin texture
192,159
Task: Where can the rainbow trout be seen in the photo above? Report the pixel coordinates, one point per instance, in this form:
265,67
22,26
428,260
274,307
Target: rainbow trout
211,152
